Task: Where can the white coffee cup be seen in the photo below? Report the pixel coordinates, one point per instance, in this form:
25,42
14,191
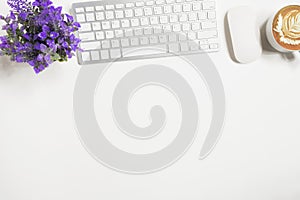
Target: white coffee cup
270,35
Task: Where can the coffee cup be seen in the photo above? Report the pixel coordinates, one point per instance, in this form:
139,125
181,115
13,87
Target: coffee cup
283,29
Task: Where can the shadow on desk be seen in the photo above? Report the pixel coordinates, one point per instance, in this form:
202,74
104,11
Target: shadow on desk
7,67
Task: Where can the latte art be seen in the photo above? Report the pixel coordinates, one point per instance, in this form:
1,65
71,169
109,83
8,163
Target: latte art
288,27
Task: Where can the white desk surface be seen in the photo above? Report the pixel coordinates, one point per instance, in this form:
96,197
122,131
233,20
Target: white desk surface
258,156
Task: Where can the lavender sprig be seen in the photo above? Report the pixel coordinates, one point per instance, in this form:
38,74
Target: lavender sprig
38,33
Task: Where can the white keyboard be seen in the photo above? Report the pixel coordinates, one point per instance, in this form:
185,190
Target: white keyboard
112,28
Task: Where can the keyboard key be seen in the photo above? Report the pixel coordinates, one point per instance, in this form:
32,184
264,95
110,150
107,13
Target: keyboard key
174,47
89,9
184,47
182,37
192,16
90,45
209,24
138,32
119,14
196,26
85,56
163,19
129,32
109,15
157,29
105,44
177,8
125,23
167,9
79,10
176,27
173,18
139,3
149,3
99,8
202,15
162,38
100,16
119,6
125,42
80,18
159,2
196,6
134,41
106,25
167,28
172,38
213,46
144,40
153,20
187,7
115,53
211,15
95,55
109,7
158,10
115,44
209,5
138,12
90,17
85,27
115,24
144,21
207,34
186,27
96,26
204,47
109,34
183,17
100,35
148,11
153,39
192,36
129,5
128,13
119,33
104,54
148,50
135,22
87,36
148,31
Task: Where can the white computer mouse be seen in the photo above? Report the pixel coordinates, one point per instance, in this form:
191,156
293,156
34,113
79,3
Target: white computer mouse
245,34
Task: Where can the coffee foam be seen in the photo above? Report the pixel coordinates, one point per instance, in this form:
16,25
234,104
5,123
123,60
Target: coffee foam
288,26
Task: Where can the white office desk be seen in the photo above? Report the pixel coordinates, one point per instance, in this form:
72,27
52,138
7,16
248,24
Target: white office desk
258,156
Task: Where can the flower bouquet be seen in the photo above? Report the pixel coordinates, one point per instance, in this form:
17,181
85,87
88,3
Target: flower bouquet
38,33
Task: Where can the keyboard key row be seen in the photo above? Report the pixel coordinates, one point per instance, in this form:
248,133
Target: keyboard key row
197,5
120,27
135,41
95,55
139,12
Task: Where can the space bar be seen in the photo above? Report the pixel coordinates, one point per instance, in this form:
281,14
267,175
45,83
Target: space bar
144,51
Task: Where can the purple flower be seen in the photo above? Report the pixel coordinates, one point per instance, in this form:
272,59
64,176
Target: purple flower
43,48
54,35
12,15
27,36
42,35
47,58
38,33
40,57
19,58
46,29
23,15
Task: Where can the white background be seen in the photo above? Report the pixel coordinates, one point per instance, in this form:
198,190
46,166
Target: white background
258,156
